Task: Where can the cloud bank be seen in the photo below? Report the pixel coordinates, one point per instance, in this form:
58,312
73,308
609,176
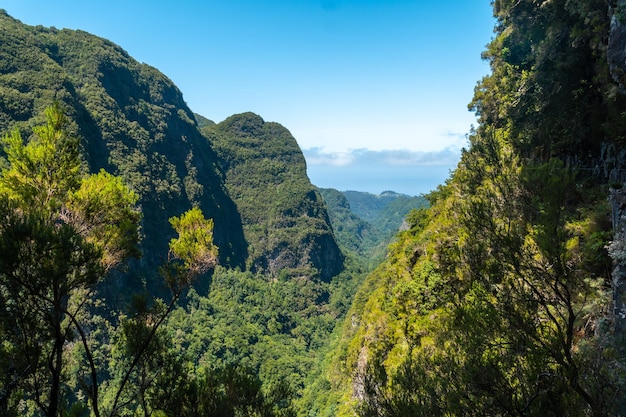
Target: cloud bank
408,172
399,157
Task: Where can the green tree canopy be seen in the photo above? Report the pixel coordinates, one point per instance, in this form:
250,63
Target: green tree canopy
61,233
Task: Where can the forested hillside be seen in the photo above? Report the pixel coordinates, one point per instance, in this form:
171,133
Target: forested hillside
131,120
365,223
501,298
284,218
146,267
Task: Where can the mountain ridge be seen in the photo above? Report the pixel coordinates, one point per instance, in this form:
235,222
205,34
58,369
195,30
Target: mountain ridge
133,121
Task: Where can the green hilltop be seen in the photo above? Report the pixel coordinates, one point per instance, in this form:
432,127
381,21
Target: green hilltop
283,215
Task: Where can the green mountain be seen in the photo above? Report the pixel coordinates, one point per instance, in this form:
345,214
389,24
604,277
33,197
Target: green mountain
283,215
368,206
385,211
133,121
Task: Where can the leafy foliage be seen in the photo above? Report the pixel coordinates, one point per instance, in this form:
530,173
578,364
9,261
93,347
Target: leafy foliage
44,171
496,300
51,262
100,208
194,244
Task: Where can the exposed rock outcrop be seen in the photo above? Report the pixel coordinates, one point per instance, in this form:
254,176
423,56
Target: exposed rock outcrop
616,53
617,251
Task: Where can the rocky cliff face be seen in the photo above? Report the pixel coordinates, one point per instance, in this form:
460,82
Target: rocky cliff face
617,43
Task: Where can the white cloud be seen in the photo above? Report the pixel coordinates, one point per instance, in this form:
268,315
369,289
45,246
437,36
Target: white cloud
391,158
409,172
316,156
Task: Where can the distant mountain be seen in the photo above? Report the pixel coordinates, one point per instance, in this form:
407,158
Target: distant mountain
385,211
365,223
367,205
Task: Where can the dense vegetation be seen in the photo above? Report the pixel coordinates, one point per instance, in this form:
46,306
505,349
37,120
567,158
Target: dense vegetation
501,296
283,216
365,223
498,298
61,234
119,346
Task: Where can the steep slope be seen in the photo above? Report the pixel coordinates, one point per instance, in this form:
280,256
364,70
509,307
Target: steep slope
498,299
284,217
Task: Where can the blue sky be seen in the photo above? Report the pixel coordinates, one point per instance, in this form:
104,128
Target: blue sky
374,91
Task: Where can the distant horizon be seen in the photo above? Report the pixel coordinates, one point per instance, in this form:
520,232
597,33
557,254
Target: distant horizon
417,184
403,171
